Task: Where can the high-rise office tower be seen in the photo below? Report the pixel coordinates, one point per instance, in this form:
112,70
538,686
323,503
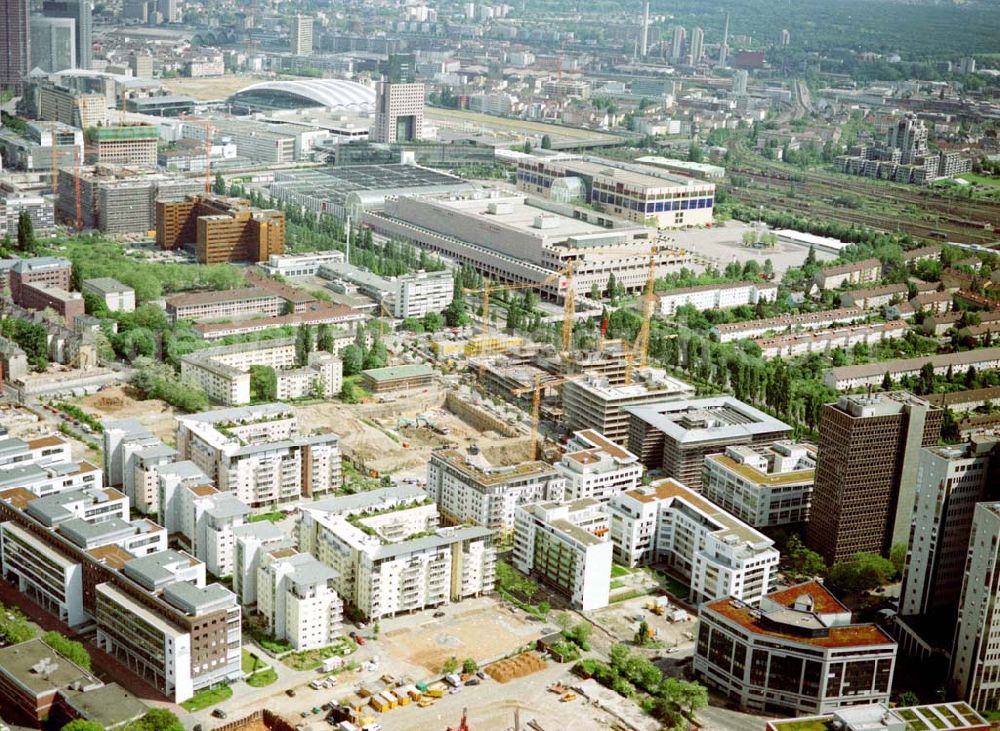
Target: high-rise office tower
399,103
53,43
866,470
15,43
78,10
724,47
302,36
909,136
677,45
644,38
697,45
950,481
168,10
975,663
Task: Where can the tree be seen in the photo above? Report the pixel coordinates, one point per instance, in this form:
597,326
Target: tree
70,649
352,358
432,322
861,572
81,724
642,634
801,561
263,383
469,666
595,292
324,338
546,142
695,154
450,665
25,233
810,257
925,384
909,698
455,314
157,719
303,345
887,381
219,188
377,357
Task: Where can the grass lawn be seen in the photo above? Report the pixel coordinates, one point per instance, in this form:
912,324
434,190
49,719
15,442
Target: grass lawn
980,179
250,663
617,585
264,677
208,697
312,659
274,516
275,647
618,571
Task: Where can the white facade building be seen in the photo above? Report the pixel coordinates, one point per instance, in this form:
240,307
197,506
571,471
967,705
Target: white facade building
566,545
764,486
253,541
295,593
596,467
716,296
719,555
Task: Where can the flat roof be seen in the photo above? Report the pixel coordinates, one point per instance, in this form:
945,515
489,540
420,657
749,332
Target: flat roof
17,663
106,284
869,370
392,373
110,705
707,419
194,299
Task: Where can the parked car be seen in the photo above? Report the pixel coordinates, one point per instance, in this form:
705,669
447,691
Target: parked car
473,681
438,614
290,692
219,713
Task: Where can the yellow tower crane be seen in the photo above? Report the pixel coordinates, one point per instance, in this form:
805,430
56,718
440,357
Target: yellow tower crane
640,348
536,406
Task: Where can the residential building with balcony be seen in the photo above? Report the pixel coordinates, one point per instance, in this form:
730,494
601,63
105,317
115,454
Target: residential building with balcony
253,542
296,595
717,554
595,467
566,546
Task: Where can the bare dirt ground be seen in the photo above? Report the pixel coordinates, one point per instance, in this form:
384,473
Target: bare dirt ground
212,88
483,631
375,433
121,402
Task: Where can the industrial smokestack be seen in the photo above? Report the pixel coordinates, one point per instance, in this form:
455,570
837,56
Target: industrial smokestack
644,43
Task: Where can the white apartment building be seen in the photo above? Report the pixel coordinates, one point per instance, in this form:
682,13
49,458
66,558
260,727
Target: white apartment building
717,554
764,486
257,453
137,538
132,455
295,593
300,265
93,505
950,481
40,451
253,541
566,546
408,295
389,555
115,295
51,478
595,467
224,372
716,296
789,345
206,519
729,331
468,489
52,579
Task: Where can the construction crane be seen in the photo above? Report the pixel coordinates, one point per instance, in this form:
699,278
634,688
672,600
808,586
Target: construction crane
536,405
569,305
209,131
640,348
383,311
55,160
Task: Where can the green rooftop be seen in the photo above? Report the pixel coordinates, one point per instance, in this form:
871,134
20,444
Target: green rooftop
117,134
393,373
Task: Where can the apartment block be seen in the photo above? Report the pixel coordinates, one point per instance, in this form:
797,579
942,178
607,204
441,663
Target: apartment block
879,717
764,486
44,450
869,451
638,193
51,478
389,554
115,295
258,454
408,295
677,435
797,653
253,542
132,145
300,265
715,296
224,372
138,537
56,103
593,403
227,304
469,489
717,554
92,505
203,519
297,598
951,480
40,271
566,546
730,331
595,467
975,667
221,229
872,298
845,337
132,456
868,271
845,378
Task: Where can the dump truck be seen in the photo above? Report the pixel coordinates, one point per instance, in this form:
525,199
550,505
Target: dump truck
436,692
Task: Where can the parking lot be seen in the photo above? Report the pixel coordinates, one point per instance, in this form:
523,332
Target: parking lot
724,243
